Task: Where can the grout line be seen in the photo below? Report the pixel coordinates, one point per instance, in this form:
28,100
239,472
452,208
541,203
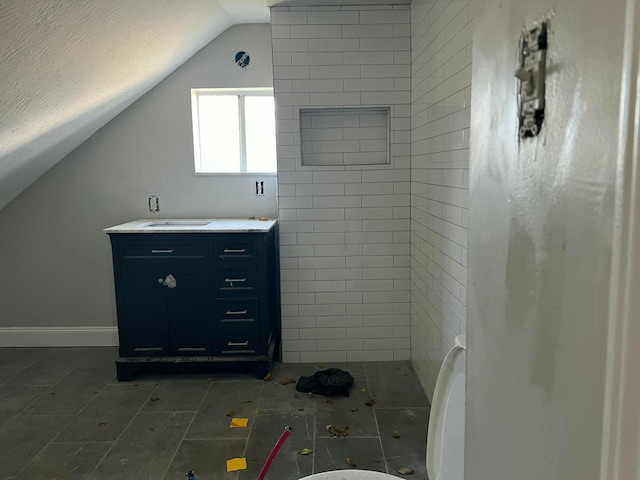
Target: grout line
124,430
251,424
186,430
39,399
313,442
83,442
375,419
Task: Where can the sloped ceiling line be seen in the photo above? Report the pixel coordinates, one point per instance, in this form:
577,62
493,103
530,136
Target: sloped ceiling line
67,67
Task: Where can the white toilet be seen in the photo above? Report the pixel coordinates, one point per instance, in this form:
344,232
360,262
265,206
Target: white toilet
445,440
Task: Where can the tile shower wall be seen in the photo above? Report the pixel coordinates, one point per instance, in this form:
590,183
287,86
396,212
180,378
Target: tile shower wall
345,230
441,90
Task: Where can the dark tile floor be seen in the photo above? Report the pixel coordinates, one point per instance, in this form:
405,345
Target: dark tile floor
63,415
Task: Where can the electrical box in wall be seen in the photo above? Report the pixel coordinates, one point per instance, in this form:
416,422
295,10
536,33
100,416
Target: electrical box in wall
531,73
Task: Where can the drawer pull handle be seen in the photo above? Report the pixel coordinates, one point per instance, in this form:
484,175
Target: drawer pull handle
232,280
234,250
236,312
238,344
161,250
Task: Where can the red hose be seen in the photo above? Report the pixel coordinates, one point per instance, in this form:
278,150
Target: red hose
274,451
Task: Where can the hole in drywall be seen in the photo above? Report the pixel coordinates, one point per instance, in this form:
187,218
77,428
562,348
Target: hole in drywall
344,136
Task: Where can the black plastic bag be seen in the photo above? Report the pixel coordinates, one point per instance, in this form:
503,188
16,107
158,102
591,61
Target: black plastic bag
329,382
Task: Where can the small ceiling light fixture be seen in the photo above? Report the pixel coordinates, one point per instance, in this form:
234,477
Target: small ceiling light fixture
242,59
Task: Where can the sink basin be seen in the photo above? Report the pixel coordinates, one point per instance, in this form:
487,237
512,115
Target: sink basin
179,223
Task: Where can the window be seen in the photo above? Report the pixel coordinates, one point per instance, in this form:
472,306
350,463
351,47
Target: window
234,130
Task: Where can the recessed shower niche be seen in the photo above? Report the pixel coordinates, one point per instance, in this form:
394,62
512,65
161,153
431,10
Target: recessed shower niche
344,136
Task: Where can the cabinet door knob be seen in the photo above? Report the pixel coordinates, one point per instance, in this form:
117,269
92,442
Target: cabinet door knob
169,281
234,250
233,280
162,250
238,344
236,312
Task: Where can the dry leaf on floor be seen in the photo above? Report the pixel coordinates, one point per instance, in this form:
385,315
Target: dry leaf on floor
363,389
355,409
305,451
268,377
370,401
337,431
396,434
405,471
154,399
319,365
287,381
328,400
351,462
102,424
231,413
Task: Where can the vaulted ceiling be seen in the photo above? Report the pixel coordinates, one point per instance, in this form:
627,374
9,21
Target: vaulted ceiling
67,67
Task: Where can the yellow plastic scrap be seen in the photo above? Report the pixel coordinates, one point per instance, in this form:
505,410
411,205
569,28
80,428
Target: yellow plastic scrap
235,464
239,422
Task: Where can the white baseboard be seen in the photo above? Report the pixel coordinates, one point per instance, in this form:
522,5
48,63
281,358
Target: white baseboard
58,336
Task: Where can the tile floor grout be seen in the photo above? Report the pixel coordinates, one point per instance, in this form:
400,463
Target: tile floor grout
185,431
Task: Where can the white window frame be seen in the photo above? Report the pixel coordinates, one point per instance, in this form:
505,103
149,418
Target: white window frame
241,93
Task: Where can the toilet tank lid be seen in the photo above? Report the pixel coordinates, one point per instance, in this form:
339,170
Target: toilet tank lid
445,440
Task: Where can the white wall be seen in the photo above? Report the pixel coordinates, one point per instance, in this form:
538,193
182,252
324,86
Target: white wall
56,265
344,229
440,111
540,240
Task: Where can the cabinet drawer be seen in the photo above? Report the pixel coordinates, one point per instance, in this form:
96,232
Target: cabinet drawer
237,312
236,280
165,250
235,251
239,340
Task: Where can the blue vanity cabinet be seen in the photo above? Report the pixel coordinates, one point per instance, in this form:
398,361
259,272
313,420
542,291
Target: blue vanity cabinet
194,301
163,300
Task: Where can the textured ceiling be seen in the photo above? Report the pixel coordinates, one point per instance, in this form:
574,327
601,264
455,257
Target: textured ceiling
67,67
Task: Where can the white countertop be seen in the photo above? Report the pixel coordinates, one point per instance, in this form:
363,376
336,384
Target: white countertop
193,225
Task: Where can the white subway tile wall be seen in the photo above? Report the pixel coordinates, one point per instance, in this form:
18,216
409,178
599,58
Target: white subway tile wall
345,252
440,86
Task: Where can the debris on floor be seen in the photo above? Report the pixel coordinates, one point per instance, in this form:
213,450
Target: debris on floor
370,401
235,464
287,381
306,451
231,413
239,422
405,471
337,431
329,382
351,462
396,434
